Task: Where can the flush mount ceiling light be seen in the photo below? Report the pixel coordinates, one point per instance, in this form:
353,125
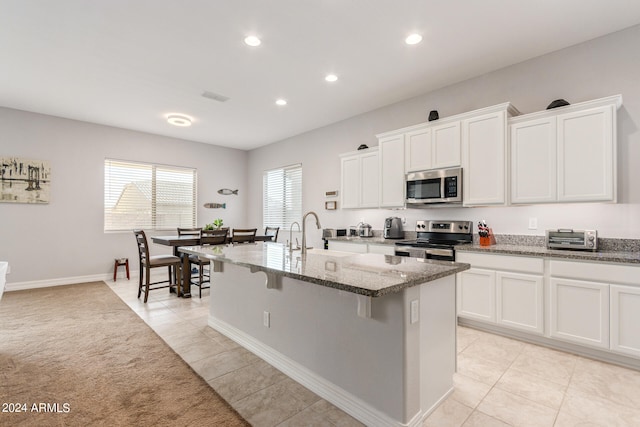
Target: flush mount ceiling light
179,120
331,78
413,39
281,102
252,41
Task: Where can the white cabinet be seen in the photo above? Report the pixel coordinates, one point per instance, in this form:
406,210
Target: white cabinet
484,150
392,171
433,146
358,248
566,154
579,312
361,247
520,302
359,183
625,319
445,145
476,294
500,289
372,248
533,161
418,150
586,153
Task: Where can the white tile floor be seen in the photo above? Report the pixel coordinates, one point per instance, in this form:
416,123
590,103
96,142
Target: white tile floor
500,381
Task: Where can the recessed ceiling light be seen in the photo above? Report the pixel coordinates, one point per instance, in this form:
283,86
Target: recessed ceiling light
252,41
281,102
413,39
179,120
331,78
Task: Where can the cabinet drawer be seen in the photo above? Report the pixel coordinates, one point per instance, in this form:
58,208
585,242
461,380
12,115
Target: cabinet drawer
502,262
607,273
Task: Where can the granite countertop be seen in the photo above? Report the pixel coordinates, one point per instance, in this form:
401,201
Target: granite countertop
626,257
371,275
378,240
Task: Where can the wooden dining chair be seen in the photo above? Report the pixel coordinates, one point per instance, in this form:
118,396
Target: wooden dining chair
195,232
243,235
273,232
148,262
209,237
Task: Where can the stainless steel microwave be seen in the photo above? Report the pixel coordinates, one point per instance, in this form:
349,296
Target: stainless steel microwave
432,187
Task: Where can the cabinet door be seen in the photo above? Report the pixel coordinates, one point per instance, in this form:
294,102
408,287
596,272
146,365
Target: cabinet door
586,155
445,145
359,248
418,150
533,161
579,312
350,181
369,180
392,178
625,320
476,294
381,249
519,301
483,159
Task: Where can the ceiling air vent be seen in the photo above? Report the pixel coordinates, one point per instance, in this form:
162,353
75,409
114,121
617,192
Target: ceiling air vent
215,96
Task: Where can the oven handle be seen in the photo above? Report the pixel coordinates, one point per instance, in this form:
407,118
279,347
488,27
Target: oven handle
431,252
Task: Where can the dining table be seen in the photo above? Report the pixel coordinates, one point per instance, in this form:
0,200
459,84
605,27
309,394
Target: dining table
176,242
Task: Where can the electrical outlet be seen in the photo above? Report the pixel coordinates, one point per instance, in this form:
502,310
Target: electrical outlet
266,319
533,223
415,313
404,221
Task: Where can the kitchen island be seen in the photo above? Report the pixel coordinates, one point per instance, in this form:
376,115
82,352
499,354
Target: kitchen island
373,334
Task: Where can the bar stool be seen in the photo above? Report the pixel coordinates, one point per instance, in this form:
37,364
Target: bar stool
118,263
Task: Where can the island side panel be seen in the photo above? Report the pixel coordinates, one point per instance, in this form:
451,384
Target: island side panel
318,328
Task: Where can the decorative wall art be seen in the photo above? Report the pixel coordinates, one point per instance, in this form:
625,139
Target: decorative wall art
24,180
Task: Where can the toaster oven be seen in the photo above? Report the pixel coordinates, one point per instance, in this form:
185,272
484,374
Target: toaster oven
564,238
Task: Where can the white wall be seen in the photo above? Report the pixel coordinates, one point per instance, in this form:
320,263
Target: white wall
65,238
605,66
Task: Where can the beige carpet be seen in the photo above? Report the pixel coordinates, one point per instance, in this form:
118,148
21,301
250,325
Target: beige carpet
84,358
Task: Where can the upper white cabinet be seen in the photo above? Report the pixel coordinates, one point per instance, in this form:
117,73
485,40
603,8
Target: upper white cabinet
360,178
484,153
566,154
391,171
433,146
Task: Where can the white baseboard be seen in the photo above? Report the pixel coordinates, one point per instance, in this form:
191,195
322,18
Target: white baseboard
46,283
339,397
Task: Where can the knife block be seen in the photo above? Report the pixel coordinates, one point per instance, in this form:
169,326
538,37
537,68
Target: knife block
489,240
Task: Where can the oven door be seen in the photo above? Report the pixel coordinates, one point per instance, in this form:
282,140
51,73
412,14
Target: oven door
440,254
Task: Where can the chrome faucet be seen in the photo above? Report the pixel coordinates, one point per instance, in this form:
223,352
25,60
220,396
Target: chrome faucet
304,230
291,248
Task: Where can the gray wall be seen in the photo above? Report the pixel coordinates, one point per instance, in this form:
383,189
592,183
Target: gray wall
605,66
65,238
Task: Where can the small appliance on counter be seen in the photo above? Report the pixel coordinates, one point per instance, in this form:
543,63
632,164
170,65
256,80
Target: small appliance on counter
365,230
393,228
328,233
567,238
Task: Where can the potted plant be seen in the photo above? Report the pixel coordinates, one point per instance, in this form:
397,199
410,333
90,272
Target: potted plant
215,225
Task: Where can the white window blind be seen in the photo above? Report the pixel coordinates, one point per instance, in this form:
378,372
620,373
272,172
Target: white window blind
282,196
148,196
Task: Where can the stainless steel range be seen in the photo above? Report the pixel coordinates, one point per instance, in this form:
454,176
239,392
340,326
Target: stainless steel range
436,240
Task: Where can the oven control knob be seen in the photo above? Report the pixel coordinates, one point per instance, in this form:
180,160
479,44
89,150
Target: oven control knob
466,227
460,227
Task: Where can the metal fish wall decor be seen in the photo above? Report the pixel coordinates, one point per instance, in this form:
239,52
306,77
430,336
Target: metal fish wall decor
215,205
227,191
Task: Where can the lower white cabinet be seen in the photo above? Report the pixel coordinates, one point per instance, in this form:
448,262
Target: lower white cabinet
476,294
505,290
347,247
520,302
625,319
361,248
579,312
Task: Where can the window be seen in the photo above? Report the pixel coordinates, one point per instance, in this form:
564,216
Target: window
147,196
282,196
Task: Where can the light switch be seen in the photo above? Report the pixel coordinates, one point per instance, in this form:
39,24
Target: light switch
533,223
